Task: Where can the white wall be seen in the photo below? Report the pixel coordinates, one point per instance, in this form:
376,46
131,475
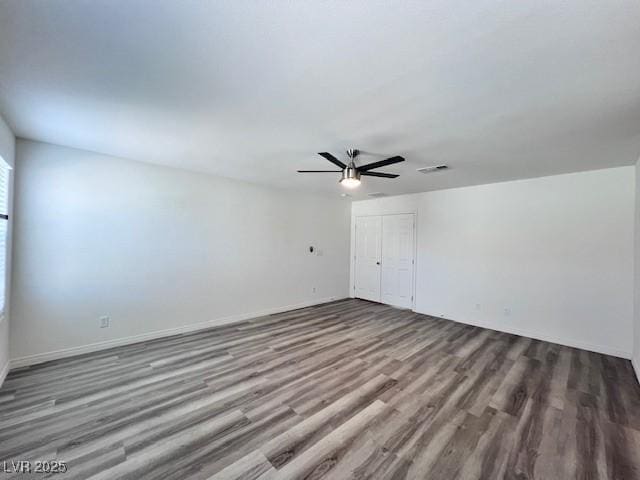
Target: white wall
157,248
7,149
556,251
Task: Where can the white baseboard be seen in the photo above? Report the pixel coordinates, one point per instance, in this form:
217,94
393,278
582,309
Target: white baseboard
544,337
4,372
94,347
636,367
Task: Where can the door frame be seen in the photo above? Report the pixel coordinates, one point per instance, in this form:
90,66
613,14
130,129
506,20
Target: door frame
415,251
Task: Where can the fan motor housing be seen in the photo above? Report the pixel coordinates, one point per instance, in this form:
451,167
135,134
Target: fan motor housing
350,172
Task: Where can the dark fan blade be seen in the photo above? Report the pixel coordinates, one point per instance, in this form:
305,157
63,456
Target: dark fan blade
381,163
332,159
319,171
379,174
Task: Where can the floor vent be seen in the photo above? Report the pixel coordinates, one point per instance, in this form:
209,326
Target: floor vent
376,194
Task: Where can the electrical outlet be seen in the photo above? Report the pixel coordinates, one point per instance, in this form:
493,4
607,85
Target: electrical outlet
477,306
507,311
105,322
313,290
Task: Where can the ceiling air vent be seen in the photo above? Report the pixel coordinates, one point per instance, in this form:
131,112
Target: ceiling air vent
376,194
433,168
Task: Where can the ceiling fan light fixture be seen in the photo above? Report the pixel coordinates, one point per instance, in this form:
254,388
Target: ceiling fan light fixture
350,177
350,182
351,173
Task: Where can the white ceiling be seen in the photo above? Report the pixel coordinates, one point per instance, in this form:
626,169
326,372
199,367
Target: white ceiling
251,89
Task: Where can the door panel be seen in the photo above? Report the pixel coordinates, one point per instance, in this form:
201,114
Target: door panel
397,260
367,263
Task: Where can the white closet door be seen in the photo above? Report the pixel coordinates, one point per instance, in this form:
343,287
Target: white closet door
397,260
367,263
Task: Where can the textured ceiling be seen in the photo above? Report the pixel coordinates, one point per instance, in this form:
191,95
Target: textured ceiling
251,89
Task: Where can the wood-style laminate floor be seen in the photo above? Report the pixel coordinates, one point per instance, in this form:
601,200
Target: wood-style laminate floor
350,389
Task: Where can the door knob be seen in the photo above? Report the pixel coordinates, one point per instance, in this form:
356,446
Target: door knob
377,263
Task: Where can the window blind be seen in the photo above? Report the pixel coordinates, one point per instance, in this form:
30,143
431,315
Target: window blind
4,225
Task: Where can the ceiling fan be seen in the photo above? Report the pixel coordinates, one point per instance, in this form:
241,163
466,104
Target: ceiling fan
351,173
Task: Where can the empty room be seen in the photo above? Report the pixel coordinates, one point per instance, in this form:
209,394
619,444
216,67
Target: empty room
319,239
